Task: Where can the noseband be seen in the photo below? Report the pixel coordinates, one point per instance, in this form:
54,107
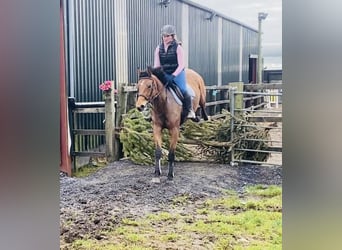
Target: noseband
150,97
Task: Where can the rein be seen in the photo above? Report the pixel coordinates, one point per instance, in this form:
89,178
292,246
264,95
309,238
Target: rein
150,98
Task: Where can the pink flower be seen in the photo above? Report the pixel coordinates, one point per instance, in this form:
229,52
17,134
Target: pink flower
106,86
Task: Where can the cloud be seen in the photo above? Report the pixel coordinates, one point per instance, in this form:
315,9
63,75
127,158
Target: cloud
246,12
272,49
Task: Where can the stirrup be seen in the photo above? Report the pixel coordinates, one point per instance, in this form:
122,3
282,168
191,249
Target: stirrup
191,114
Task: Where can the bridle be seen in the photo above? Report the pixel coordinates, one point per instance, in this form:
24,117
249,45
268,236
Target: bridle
150,96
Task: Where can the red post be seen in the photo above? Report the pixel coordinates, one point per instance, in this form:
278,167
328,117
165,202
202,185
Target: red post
65,163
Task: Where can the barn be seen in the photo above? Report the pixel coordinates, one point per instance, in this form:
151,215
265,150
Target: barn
108,40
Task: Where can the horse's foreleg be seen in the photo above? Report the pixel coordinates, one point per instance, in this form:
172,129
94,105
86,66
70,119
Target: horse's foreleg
158,152
157,169
174,134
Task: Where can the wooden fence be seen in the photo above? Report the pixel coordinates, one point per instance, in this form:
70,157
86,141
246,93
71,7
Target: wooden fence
115,107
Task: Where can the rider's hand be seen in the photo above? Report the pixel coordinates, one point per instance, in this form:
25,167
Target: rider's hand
169,78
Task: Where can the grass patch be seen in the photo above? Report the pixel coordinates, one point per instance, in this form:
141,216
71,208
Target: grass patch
87,170
172,237
181,200
250,221
162,216
203,211
231,202
130,222
135,238
266,191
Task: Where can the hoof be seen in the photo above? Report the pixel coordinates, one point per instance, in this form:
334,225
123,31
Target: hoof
155,180
197,119
157,173
170,177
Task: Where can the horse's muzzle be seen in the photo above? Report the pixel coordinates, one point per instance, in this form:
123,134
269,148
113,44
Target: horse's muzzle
141,103
141,107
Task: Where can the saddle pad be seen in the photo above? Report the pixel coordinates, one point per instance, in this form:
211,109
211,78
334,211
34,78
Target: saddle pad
190,91
175,96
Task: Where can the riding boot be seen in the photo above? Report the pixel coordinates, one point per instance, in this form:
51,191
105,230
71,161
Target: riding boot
188,105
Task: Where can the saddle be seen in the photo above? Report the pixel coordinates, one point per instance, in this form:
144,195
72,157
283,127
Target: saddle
174,89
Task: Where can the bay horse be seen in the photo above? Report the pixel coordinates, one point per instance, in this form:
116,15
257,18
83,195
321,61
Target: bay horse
166,112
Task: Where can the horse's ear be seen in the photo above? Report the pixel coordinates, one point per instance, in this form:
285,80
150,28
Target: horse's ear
149,70
140,72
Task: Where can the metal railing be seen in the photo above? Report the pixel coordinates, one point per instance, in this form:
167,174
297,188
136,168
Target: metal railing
256,116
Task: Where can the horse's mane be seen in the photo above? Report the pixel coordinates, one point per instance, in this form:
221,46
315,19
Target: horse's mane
157,71
143,74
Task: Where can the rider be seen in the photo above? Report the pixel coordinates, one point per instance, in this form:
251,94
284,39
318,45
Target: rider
169,54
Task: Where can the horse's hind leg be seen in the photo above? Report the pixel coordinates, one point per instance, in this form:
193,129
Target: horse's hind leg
171,159
202,105
204,113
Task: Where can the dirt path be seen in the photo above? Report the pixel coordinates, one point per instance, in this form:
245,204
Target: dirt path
124,190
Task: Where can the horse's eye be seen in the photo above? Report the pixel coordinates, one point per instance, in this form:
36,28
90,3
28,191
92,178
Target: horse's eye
149,86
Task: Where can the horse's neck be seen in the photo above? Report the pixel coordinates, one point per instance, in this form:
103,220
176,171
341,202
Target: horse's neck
161,99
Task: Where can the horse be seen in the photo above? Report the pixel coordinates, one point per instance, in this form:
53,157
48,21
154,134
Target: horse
166,112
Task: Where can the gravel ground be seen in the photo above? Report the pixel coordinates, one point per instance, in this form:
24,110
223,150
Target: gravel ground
124,190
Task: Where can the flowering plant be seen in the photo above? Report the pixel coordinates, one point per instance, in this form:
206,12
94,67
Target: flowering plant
107,86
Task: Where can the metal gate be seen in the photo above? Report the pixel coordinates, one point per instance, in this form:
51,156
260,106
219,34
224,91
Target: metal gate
270,113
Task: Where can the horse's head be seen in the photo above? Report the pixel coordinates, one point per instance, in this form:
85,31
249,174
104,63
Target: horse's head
148,88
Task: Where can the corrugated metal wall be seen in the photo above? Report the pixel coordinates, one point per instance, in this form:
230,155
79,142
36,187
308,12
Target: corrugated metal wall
230,52
146,18
203,44
90,59
90,47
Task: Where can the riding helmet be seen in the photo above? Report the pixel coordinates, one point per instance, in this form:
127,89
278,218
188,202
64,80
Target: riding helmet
168,30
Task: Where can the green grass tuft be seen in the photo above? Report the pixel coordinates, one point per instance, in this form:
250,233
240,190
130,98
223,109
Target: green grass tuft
87,170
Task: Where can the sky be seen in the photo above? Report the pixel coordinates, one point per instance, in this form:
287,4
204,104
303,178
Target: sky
246,12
